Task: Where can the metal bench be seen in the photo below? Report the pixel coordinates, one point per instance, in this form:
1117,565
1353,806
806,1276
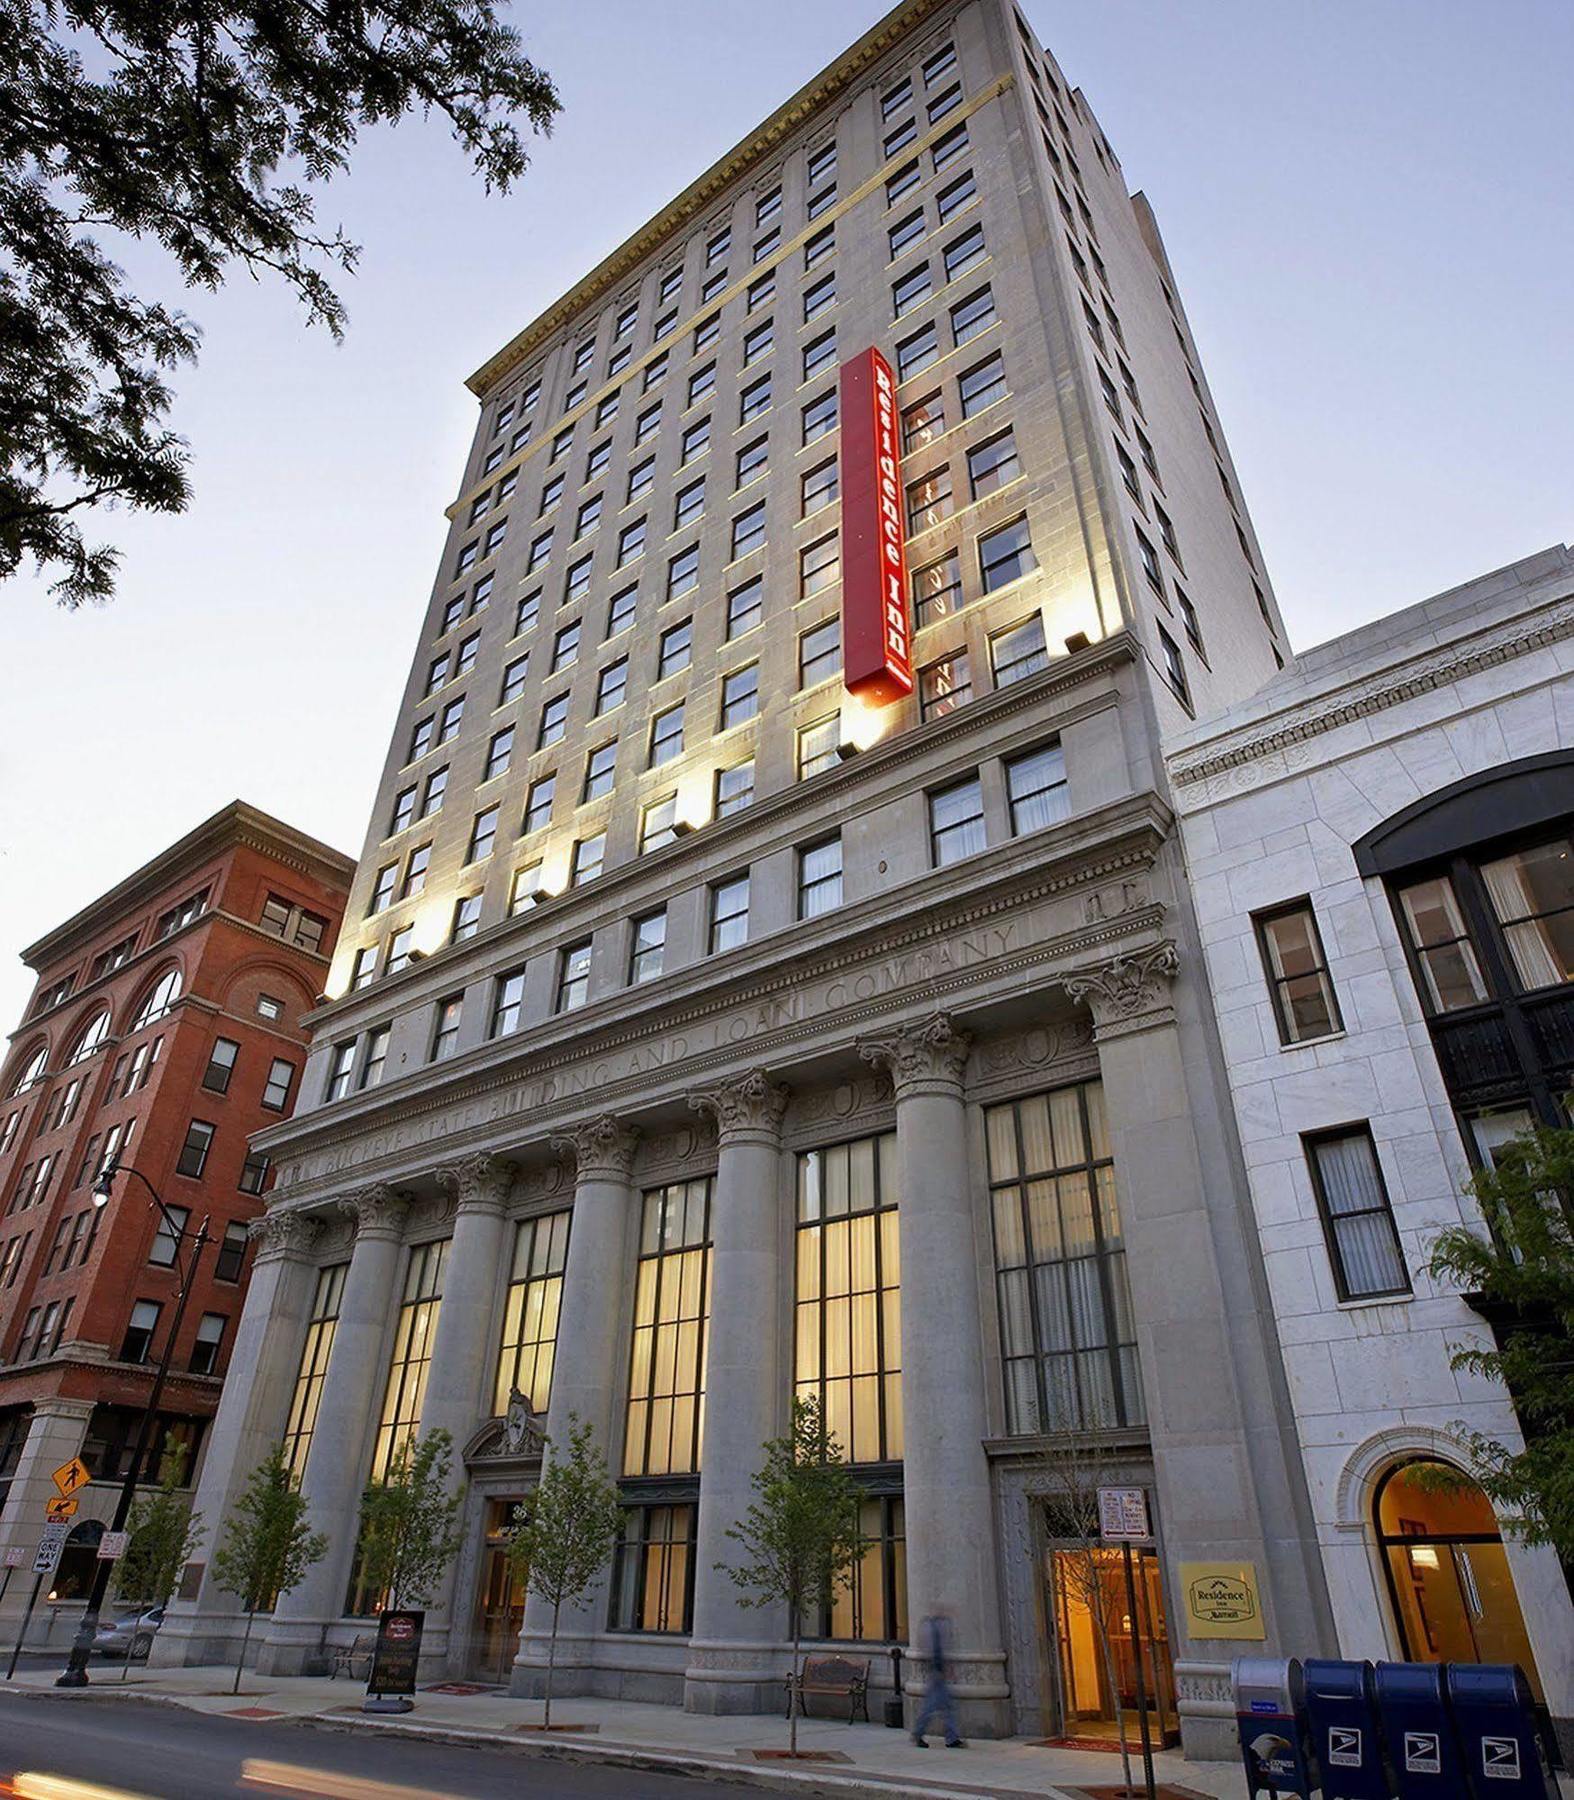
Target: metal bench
846,1677
353,1659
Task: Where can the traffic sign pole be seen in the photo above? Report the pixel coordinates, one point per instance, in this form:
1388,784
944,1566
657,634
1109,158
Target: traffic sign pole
27,1619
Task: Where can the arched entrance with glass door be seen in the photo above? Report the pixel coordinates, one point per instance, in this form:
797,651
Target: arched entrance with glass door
1448,1575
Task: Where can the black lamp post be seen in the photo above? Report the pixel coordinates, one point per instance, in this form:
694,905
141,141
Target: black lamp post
75,1672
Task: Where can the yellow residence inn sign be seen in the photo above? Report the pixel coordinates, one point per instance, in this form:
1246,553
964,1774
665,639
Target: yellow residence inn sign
1221,1600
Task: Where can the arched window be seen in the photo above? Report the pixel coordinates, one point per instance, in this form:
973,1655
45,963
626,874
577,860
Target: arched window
91,1039
1450,1581
159,999
30,1072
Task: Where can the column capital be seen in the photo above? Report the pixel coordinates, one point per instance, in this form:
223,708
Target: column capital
602,1148
749,1106
286,1233
378,1211
927,1058
478,1183
1129,992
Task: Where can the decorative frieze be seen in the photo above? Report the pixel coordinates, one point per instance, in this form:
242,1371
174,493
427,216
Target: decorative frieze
750,1105
602,1148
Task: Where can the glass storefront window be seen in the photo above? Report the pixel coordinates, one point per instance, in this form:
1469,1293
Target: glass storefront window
653,1570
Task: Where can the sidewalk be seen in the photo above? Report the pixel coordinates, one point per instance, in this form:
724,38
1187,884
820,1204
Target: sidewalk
868,1759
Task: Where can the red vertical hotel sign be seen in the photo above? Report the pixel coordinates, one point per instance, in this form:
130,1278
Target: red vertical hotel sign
877,661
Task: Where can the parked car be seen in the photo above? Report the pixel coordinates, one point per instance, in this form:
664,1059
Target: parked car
129,1634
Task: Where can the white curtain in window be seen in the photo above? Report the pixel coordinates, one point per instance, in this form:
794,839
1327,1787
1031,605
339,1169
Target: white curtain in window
1512,885
1364,1235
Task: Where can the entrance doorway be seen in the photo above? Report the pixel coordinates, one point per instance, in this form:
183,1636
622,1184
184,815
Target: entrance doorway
1087,1588
1452,1590
500,1598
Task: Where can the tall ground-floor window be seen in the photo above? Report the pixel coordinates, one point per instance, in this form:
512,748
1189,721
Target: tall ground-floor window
530,1312
414,1331
653,1569
848,1357
666,1402
1066,1325
313,1369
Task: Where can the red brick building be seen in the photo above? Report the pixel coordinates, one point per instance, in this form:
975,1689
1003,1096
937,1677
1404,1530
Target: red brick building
163,1031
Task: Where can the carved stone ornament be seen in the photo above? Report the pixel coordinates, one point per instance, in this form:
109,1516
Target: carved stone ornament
750,1104
929,1056
524,1431
479,1183
378,1211
1125,988
601,1147
283,1234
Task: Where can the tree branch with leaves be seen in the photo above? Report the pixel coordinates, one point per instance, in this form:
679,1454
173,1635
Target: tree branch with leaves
409,1523
201,129
268,1544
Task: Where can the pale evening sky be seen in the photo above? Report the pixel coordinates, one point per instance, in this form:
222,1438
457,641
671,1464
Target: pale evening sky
1366,203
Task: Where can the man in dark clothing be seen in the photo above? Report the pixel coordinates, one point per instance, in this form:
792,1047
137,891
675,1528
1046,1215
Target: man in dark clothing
938,1699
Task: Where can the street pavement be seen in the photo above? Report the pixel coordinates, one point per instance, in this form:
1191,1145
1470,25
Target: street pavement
133,1750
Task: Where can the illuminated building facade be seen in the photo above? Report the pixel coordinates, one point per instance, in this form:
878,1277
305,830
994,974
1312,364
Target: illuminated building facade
706,1032
164,1029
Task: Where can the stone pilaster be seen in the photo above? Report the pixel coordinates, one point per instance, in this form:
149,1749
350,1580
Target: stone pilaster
253,1410
951,1566
336,1463
588,1372
731,1665
54,1435
1208,1356
464,1345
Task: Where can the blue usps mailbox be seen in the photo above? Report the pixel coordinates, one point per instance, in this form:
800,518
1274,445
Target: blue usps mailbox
1495,1718
1418,1733
1341,1709
1270,1717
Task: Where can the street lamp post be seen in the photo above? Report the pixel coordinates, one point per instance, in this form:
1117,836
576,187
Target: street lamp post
74,1674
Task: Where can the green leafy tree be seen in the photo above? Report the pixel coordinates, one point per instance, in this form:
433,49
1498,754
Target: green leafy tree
409,1522
268,1545
1523,1271
801,1536
200,127
560,1541
164,1532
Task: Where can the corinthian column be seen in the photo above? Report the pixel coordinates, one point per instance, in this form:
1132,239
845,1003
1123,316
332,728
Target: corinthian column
336,1462
951,1565
587,1371
253,1409
458,1385
731,1664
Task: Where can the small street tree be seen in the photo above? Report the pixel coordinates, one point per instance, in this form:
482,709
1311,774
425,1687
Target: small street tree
560,1541
268,1545
802,1536
164,1531
1522,1271
409,1531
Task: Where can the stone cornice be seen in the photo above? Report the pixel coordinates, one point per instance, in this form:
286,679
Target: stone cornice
918,920
680,214
1311,717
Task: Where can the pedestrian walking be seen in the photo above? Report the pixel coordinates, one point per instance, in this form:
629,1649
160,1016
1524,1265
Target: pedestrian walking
938,1699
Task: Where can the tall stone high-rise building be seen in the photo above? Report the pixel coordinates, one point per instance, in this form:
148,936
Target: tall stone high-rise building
769,969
